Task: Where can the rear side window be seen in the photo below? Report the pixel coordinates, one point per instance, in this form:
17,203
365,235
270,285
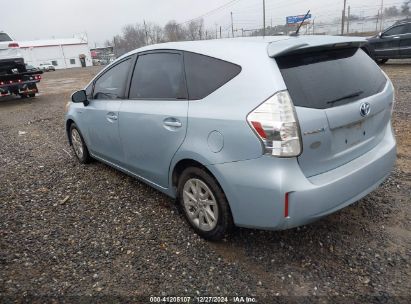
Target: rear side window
331,78
158,76
4,37
206,74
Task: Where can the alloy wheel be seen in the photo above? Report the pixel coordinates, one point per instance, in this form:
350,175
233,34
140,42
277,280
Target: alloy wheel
200,204
77,143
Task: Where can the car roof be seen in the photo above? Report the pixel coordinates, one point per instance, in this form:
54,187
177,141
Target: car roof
236,49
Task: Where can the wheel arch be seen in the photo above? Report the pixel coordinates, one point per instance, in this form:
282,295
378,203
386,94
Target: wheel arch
366,50
185,163
69,122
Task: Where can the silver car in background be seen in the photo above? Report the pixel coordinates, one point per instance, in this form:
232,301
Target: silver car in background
267,133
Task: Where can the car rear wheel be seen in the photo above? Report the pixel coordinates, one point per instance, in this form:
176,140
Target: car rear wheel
78,144
204,204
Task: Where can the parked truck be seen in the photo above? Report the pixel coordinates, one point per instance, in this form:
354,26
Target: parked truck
14,77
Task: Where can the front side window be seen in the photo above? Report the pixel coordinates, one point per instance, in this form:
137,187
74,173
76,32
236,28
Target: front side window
398,30
54,62
72,61
112,84
158,76
89,91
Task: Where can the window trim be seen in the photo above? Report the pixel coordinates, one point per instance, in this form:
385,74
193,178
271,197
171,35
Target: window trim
223,84
127,87
157,51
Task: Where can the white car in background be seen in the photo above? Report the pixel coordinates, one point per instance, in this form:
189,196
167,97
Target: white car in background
47,67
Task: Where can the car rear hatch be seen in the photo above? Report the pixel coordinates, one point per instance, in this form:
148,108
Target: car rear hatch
343,100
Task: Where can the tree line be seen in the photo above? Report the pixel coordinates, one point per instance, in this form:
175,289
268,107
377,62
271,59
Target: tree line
141,34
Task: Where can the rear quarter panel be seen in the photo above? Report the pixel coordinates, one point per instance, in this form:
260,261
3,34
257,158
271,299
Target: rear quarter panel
226,110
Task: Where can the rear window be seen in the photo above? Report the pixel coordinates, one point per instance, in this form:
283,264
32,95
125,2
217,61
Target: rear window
206,74
4,37
322,80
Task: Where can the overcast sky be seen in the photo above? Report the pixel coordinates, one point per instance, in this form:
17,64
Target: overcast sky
102,19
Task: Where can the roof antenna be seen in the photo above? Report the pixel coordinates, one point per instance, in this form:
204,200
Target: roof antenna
298,29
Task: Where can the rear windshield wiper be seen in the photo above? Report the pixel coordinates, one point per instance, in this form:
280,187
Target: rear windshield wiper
352,95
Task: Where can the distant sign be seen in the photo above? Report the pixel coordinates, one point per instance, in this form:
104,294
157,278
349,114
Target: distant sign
297,19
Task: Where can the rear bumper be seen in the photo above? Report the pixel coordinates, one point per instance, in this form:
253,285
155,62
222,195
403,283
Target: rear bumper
256,188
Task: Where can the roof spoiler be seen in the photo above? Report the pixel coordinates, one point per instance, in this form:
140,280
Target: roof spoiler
303,44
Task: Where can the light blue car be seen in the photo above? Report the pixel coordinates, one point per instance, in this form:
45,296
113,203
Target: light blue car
268,133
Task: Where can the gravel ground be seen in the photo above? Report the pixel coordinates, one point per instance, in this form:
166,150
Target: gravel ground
69,231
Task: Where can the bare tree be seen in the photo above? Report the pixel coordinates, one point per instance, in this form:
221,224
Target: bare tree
391,11
195,29
405,7
174,32
138,35
155,33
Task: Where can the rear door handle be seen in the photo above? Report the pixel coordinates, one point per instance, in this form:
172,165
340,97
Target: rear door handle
111,116
396,37
172,122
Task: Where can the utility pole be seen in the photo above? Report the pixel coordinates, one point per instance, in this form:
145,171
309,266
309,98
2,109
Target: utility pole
263,17
242,32
220,31
313,26
378,19
382,16
232,25
343,18
145,31
348,20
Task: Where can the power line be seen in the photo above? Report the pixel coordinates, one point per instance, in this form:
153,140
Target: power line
212,11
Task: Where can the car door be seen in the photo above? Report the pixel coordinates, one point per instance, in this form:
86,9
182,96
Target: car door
153,120
102,112
388,45
405,42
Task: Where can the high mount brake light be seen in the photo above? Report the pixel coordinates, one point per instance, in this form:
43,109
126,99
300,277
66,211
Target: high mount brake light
276,124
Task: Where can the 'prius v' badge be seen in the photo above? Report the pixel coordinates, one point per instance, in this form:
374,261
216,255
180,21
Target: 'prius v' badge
365,109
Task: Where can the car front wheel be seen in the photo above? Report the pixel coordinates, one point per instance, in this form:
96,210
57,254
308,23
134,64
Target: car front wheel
204,204
78,144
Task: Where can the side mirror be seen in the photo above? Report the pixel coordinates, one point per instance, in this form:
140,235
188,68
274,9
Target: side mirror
79,96
380,34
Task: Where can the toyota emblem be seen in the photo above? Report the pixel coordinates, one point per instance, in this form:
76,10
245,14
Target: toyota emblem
365,109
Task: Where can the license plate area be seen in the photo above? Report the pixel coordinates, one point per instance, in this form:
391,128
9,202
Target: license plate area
350,136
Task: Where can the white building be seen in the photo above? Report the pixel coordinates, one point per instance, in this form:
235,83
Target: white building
62,53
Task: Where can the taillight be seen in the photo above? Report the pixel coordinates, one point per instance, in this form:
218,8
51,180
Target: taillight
13,45
276,124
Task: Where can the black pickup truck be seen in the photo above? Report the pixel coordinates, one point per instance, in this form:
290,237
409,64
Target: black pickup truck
392,43
14,76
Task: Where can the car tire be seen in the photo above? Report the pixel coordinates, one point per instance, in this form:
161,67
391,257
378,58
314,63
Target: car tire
381,61
204,204
79,146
